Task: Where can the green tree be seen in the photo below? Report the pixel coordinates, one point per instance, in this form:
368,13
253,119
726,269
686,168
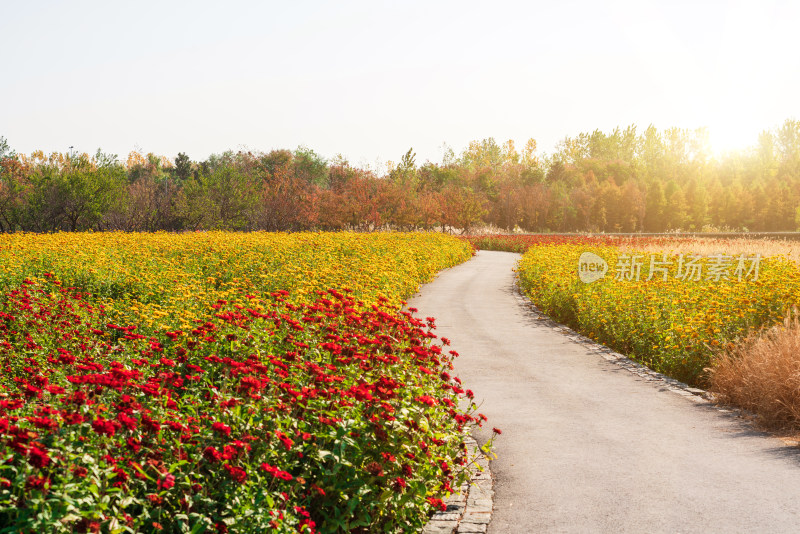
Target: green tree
632,204
405,173
310,167
5,149
233,195
183,166
655,207
484,153
675,213
14,189
697,205
75,197
788,136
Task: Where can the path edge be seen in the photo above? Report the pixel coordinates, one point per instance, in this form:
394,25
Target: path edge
469,510
636,368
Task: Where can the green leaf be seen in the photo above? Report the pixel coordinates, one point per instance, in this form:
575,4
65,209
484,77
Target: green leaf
177,464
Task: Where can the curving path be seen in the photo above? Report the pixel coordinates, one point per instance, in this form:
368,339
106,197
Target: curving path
588,446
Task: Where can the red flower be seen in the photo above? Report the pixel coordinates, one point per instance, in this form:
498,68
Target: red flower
277,473
437,503
283,475
374,469
400,483
129,422
37,482
85,525
284,439
167,482
497,431
427,399
38,457
237,474
150,424
212,455
32,391
221,428
80,472
103,426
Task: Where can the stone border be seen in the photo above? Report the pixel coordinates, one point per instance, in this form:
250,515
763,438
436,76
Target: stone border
469,511
675,386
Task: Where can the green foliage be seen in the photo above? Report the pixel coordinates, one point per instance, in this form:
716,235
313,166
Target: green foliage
311,167
405,174
183,166
75,197
5,149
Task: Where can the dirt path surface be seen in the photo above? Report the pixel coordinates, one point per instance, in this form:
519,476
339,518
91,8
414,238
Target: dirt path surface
590,447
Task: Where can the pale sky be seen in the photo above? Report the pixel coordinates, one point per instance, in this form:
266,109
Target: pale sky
370,79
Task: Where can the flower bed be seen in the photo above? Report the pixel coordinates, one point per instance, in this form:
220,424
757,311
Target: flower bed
266,415
672,324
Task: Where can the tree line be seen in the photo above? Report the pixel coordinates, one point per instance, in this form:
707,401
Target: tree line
624,180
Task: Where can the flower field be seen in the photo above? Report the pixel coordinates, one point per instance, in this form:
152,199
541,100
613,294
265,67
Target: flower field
162,281
521,243
224,383
650,307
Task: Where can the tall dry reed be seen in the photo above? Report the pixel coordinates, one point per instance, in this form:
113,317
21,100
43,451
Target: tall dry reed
762,375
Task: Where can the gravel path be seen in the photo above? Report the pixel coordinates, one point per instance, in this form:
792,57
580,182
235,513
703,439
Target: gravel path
588,446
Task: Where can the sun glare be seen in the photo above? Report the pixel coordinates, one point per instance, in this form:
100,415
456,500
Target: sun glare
725,138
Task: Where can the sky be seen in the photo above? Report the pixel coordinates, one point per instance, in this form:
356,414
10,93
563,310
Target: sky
371,79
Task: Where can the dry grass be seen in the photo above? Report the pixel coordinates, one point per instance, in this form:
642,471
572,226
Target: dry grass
734,246
762,375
